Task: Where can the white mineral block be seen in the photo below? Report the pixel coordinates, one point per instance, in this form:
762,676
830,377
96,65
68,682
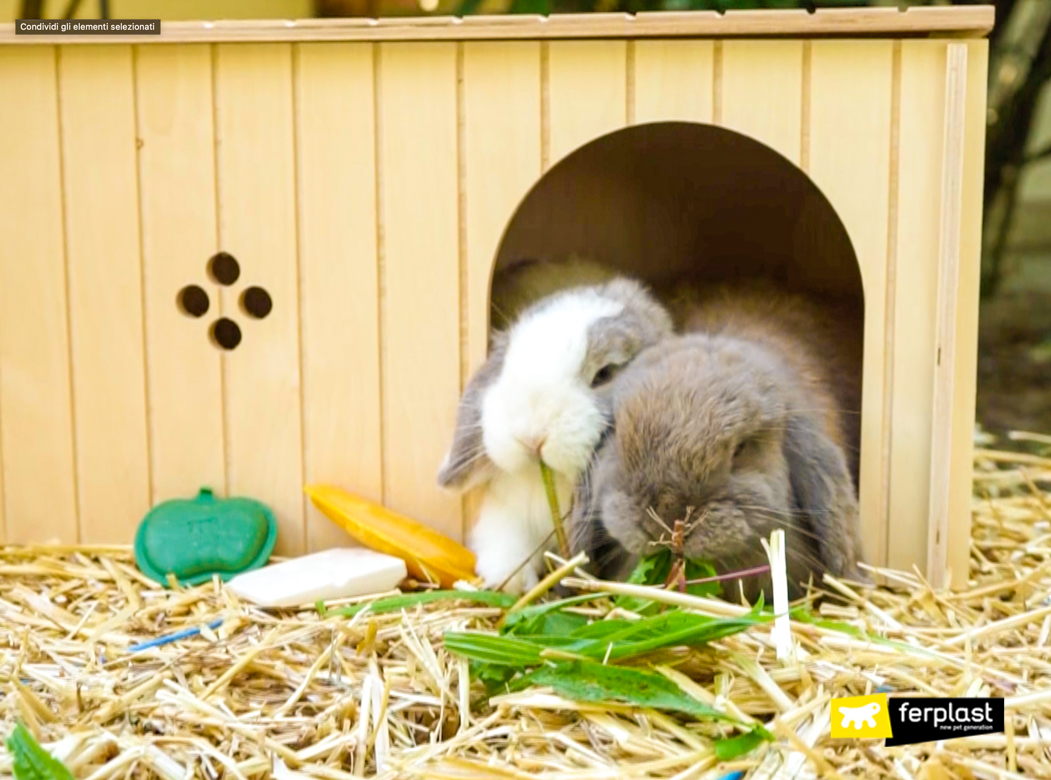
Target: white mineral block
341,573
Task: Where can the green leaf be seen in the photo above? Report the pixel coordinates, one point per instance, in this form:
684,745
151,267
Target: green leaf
604,629
32,762
668,629
495,650
606,640
492,598
494,678
547,618
653,570
593,682
734,747
557,624
699,570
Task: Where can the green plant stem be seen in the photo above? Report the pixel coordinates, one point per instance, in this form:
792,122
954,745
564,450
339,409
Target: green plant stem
546,584
556,516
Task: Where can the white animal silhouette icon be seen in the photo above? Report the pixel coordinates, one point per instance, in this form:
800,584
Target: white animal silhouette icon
855,716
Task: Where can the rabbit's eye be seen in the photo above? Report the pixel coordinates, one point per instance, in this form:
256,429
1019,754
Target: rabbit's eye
740,448
603,375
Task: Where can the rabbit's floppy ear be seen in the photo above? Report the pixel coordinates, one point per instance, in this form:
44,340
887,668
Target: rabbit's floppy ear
587,533
467,465
824,492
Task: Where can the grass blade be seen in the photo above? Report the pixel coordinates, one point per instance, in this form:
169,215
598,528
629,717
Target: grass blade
541,618
494,650
556,514
31,761
586,681
734,747
627,639
491,598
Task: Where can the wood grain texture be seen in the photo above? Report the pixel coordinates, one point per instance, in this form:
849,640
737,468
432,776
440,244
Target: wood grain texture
850,111
257,225
336,201
502,162
963,410
949,234
420,299
673,81
36,424
97,106
762,92
177,197
960,20
916,294
587,93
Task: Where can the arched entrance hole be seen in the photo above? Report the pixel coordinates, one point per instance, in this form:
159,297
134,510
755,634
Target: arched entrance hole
672,201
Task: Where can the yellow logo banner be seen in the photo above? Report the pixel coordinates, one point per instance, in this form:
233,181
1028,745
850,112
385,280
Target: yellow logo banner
861,717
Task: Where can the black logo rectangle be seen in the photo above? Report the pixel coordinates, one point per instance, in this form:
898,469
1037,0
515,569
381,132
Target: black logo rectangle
914,720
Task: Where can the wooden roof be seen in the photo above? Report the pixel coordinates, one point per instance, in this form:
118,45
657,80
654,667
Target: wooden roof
948,21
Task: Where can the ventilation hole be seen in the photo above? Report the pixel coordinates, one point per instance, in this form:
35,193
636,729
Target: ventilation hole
193,301
223,268
225,333
256,302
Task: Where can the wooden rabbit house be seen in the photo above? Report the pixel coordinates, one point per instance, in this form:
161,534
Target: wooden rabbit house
257,255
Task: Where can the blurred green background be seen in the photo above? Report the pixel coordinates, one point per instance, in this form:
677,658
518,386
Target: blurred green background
1014,383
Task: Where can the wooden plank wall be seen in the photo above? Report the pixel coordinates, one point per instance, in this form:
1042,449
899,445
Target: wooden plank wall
367,188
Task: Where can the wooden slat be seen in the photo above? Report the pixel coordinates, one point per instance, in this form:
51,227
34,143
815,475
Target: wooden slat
420,300
850,88
962,461
673,81
257,225
36,425
502,162
762,92
587,93
177,196
336,200
949,235
967,20
97,104
916,295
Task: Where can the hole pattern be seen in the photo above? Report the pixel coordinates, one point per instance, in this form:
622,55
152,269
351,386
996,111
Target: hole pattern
256,302
193,301
226,333
222,268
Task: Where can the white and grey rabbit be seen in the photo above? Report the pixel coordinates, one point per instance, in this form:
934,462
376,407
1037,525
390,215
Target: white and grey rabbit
522,283
542,394
739,428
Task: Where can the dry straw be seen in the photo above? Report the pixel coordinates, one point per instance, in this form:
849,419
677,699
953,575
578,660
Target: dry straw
247,693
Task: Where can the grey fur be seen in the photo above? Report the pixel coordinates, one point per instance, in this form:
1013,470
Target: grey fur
615,341
680,411
467,465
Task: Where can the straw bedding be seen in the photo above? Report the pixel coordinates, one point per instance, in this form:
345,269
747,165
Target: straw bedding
289,694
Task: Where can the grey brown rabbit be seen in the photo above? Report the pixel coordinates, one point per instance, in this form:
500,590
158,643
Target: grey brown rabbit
745,425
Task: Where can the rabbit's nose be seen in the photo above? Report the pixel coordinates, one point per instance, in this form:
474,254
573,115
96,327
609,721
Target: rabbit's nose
533,443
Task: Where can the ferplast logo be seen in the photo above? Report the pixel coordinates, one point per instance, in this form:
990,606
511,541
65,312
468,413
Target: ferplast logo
861,717
910,720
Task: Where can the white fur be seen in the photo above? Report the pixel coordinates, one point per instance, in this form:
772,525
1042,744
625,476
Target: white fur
514,521
540,394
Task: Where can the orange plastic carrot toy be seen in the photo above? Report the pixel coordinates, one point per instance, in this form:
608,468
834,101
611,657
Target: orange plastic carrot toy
429,556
